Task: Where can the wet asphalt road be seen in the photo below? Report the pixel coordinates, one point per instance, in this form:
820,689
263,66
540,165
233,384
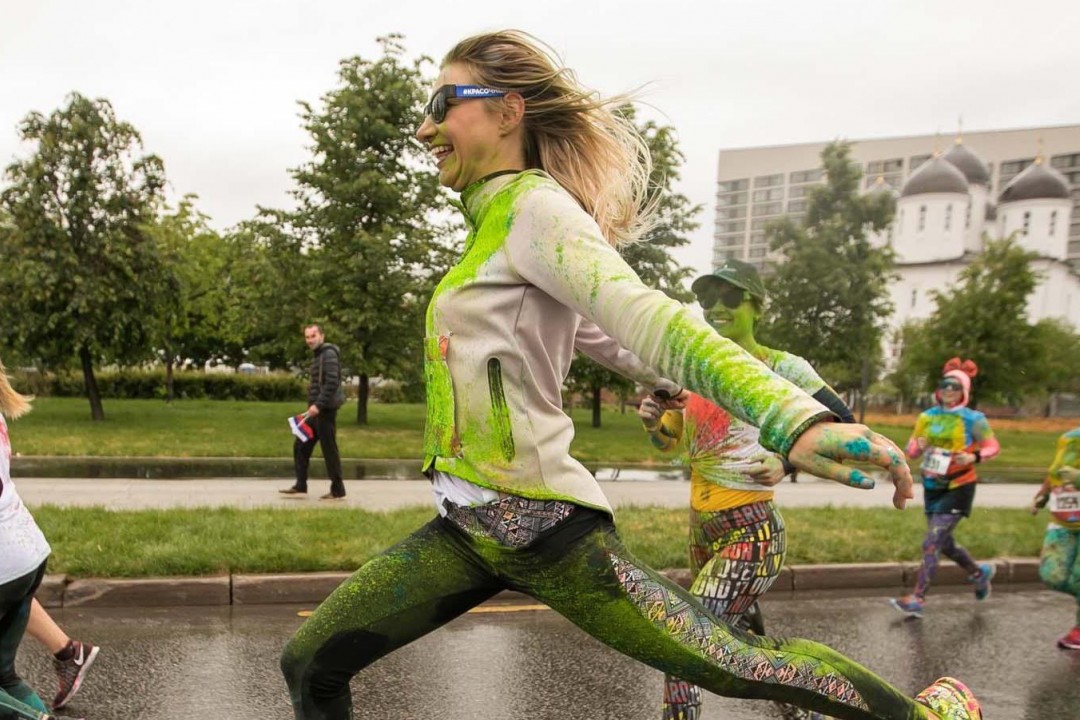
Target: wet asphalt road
524,662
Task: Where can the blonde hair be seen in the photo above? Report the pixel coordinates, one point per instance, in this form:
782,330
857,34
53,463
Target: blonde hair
12,404
571,132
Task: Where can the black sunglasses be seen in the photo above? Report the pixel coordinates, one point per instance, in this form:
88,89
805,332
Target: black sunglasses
731,297
950,385
439,103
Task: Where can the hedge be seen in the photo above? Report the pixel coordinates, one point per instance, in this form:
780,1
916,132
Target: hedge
150,384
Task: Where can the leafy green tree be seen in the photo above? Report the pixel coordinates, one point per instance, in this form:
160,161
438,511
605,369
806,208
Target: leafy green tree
984,317
829,298
192,327
1059,346
80,266
651,257
365,240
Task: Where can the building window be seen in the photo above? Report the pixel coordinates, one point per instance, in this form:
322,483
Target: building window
1053,222
730,227
1065,161
768,195
796,205
916,160
757,252
805,176
1027,222
732,199
967,216
914,297
922,218
948,217
769,180
881,167
732,185
773,208
731,213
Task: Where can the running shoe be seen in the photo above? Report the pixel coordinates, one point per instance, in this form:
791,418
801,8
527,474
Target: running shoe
70,672
909,605
332,496
950,699
982,580
1070,640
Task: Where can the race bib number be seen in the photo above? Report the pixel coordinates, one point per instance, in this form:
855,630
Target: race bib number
936,461
1067,502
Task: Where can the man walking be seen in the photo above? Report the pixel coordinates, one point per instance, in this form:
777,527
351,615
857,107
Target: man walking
325,395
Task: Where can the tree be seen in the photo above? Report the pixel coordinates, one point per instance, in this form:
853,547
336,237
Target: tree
650,257
363,236
984,317
829,298
192,325
1059,346
80,267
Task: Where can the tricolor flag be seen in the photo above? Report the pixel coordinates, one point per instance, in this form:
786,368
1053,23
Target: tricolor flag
300,428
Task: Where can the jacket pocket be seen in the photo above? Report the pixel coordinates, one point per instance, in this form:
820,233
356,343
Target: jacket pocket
500,413
440,433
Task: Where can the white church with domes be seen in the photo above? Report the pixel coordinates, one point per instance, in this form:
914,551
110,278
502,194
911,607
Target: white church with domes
944,210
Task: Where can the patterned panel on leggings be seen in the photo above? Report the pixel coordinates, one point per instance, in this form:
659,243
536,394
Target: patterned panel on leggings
680,619
512,521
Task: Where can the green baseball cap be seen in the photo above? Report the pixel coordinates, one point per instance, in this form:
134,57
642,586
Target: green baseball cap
733,272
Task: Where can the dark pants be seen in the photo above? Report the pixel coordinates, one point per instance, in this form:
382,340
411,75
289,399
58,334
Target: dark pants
325,426
17,700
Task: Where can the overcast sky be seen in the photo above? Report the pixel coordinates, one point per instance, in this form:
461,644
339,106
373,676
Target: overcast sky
212,85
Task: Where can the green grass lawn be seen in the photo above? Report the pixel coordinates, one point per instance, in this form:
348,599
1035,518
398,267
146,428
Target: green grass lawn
93,542
210,428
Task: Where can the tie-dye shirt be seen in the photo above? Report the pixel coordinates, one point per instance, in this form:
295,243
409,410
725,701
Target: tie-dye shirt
22,546
1068,455
720,447
952,430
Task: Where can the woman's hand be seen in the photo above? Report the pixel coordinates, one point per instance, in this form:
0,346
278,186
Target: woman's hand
766,469
649,411
964,459
1039,502
822,448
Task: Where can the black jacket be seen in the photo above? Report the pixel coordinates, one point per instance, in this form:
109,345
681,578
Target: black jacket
325,390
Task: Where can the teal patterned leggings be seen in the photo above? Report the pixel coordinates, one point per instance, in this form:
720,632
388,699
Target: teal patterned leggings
1059,567
17,700
577,566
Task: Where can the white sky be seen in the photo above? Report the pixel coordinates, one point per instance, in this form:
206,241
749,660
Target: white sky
212,85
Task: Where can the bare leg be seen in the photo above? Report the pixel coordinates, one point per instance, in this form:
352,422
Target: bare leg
45,630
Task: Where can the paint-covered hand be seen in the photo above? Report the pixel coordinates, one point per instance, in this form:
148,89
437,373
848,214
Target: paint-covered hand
766,469
650,411
822,448
673,402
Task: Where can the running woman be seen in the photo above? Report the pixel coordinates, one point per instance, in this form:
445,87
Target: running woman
951,439
23,552
737,535
1059,566
551,179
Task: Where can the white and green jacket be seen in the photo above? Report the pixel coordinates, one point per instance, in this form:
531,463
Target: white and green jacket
537,281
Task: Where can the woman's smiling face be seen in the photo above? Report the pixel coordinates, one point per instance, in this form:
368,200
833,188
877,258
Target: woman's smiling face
467,144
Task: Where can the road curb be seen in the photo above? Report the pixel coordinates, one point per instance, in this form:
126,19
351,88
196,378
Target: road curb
796,581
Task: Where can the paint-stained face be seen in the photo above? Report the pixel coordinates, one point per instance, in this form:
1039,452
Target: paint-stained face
466,144
733,323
